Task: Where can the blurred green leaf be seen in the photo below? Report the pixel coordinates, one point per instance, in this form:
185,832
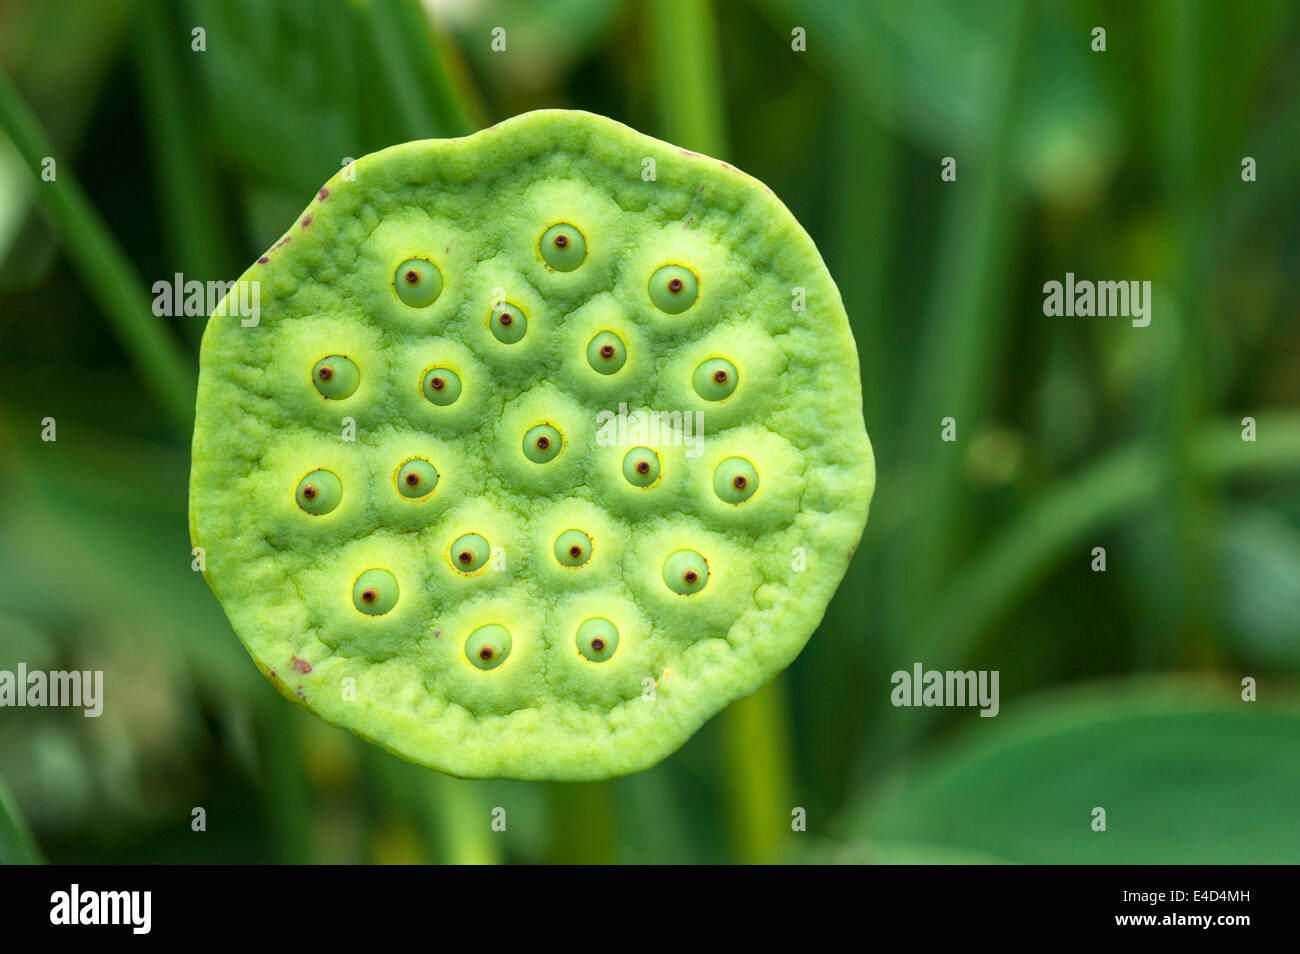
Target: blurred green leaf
1186,775
17,847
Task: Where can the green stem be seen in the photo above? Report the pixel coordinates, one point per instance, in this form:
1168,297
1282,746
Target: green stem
108,275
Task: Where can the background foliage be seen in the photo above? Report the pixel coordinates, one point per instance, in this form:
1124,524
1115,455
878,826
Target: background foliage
1119,689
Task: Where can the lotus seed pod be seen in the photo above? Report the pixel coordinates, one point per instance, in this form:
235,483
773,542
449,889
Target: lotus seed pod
442,619
336,377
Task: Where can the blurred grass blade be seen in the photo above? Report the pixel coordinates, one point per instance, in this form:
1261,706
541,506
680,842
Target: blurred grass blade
109,277
17,846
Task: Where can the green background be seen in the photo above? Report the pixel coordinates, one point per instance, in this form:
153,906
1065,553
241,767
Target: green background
1119,690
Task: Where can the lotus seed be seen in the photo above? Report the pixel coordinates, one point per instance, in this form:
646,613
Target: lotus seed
674,288
375,592
542,443
573,548
441,386
319,492
508,322
606,353
336,377
686,572
562,247
418,282
416,479
735,480
470,552
488,646
597,638
641,466
715,379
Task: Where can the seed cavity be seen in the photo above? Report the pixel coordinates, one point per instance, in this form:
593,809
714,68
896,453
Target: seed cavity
686,572
715,379
673,288
735,480
336,377
319,492
542,443
418,282
607,353
641,466
508,322
469,552
562,247
597,638
375,592
416,478
488,646
573,548
441,386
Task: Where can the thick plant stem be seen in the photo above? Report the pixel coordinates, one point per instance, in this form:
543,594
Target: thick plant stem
109,276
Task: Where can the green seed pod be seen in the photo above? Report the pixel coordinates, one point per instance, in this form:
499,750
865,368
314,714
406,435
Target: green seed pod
375,592
416,479
542,443
319,492
573,548
562,247
686,572
597,638
735,480
418,282
673,288
641,466
441,386
607,353
508,322
488,646
336,377
715,379
469,552
489,207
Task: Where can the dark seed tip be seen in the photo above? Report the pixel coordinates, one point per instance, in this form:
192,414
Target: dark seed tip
485,653
690,576
720,376
740,482
369,596
465,557
412,277
597,644
561,241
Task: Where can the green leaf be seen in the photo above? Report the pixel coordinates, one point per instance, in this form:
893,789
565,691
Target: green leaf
17,847
1186,775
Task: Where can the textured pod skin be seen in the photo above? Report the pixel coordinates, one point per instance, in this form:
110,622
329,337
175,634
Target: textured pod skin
477,207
